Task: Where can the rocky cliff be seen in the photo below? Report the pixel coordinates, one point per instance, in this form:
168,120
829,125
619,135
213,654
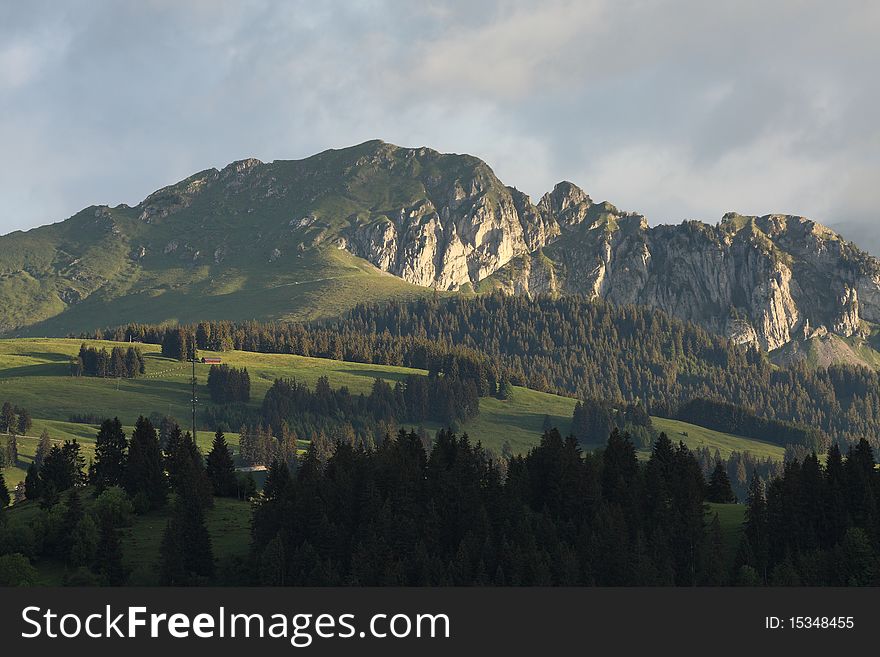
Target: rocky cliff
761,280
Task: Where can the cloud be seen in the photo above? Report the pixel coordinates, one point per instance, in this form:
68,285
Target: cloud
676,109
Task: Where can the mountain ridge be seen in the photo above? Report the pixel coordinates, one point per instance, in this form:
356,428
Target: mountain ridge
292,239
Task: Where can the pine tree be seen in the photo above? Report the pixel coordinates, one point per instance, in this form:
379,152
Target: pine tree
172,567
62,468
108,557
108,468
8,421
620,470
220,468
272,564
4,492
73,514
168,426
505,389
43,448
186,473
11,458
33,485
186,556
25,423
719,490
277,481
144,474
755,549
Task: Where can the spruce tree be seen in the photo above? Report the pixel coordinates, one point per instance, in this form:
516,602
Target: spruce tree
4,492
108,557
719,490
168,426
8,421
272,563
33,485
11,459
186,555
755,549
277,481
62,467
621,468
73,514
186,473
836,507
43,448
144,473
49,496
172,569
25,423
108,468
220,468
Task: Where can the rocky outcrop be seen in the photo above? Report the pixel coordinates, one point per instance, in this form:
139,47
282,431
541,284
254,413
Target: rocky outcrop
758,280
464,230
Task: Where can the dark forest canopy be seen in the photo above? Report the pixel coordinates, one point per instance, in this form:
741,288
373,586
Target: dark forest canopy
571,346
449,513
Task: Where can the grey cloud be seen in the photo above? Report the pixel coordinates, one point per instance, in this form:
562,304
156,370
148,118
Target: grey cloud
677,109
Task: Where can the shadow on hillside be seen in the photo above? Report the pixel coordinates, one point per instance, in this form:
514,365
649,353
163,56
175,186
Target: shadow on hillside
43,369
375,374
52,356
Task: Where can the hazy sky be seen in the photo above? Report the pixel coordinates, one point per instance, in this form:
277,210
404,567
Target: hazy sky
678,109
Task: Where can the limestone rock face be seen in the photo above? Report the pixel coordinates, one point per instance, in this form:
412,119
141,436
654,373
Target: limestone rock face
758,280
465,230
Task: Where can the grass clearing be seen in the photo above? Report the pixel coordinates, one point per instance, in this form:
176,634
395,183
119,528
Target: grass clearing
696,436
228,523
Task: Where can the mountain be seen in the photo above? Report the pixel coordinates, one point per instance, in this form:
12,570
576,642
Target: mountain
309,238
766,280
862,233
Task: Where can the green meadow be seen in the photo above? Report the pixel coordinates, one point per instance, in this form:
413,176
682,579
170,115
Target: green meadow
35,374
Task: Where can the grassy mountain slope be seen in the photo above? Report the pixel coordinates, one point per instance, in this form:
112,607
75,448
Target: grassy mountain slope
253,241
34,374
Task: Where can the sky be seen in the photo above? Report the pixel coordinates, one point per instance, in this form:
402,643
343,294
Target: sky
678,109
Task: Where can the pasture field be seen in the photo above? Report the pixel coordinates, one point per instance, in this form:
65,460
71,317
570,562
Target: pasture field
35,374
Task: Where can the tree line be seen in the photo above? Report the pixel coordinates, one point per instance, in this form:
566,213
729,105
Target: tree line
594,419
128,476
730,418
365,420
183,342
451,514
570,345
404,515
816,524
229,385
117,363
